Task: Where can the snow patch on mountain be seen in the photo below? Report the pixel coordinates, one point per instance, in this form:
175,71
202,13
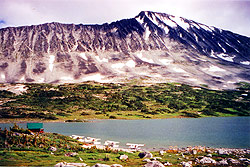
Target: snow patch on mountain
167,20
193,79
67,78
196,38
179,70
117,65
215,69
141,21
153,18
83,56
226,57
245,62
181,22
3,76
147,33
51,62
105,60
120,65
224,50
166,61
144,58
41,80
205,27
22,79
96,77
131,63
156,75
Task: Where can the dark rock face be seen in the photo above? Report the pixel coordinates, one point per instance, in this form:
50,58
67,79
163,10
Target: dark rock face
4,65
40,68
151,45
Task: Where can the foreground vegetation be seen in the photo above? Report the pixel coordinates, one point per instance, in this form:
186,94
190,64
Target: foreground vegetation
83,101
20,147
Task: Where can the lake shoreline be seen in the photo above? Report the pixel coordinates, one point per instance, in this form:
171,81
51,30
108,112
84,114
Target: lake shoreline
6,120
158,133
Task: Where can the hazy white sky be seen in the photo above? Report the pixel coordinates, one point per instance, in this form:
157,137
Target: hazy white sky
233,15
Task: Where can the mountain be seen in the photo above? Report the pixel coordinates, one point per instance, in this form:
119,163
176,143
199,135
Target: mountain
156,47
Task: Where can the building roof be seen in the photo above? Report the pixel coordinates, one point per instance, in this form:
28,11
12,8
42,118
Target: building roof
34,125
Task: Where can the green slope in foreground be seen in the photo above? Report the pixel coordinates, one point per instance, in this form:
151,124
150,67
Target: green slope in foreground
90,100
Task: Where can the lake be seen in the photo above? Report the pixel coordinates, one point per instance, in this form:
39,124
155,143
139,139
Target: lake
228,132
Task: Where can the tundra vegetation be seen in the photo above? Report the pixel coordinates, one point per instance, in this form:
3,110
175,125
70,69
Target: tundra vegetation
91,100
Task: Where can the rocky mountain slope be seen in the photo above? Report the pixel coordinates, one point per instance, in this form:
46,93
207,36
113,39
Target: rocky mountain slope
154,46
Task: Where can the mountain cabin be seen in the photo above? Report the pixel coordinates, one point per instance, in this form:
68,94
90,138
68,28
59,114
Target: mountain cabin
35,127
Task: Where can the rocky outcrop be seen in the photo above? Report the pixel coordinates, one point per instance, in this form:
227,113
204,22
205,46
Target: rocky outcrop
222,162
186,164
155,46
101,165
65,164
145,155
104,165
53,149
154,164
205,160
123,157
116,165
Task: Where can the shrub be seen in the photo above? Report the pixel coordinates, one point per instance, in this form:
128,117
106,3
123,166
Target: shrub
209,111
112,117
106,158
5,93
62,114
74,120
163,110
188,114
84,113
153,112
144,110
98,113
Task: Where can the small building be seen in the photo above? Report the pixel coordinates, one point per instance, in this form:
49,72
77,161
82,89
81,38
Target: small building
35,127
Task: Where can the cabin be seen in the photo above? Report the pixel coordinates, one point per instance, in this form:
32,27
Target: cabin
35,127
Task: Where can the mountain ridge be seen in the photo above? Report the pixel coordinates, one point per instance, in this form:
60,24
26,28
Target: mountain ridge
155,46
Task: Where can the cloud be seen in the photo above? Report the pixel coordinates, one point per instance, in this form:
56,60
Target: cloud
226,14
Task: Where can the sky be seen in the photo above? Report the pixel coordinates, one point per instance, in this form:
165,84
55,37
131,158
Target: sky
233,15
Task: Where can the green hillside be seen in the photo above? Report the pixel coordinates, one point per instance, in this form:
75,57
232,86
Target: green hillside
77,102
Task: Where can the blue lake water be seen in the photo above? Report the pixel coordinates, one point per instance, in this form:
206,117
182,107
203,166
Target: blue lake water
230,132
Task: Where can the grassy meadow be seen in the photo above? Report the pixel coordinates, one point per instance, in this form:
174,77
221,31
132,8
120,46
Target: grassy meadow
84,101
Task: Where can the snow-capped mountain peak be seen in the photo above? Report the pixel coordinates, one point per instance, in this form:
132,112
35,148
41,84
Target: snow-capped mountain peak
154,46
165,20
209,40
